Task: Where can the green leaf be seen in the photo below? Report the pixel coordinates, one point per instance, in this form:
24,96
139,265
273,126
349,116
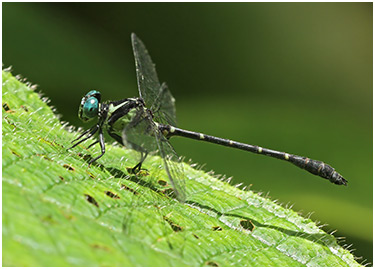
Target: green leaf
58,211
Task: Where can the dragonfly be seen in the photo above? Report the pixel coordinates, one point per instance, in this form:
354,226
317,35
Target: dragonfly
146,123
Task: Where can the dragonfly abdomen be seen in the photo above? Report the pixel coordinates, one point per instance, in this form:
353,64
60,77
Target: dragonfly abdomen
313,166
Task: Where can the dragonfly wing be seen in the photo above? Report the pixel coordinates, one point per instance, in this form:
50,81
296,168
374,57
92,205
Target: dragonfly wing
143,135
148,82
173,167
156,97
138,134
164,109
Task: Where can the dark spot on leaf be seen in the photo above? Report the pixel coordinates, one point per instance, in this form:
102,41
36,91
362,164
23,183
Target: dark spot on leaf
112,195
7,108
217,228
212,264
15,153
10,122
247,225
61,178
68,167
25,108
175,227
169,192
97,246
162,183
124,187
196,236
91,200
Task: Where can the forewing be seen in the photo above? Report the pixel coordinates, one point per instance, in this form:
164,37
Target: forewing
157,97
148,82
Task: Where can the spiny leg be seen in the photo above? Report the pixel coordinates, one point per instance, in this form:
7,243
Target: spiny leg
144,154
90,132
102,146
96,142
85,132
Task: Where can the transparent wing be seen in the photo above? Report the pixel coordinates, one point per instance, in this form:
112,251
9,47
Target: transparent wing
139,133
143,135
148,82
164,108
156,97
173,167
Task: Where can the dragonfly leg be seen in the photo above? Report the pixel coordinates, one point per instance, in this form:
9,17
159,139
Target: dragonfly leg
85,132
89,133
138,167
144,154
102,146
96,142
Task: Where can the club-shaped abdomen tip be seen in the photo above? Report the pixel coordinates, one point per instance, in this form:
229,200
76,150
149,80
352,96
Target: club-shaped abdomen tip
338,179
328,172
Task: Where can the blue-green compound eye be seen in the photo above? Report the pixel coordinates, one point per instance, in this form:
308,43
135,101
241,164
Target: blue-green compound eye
89,106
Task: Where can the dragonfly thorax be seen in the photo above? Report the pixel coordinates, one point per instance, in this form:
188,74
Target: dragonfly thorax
120,114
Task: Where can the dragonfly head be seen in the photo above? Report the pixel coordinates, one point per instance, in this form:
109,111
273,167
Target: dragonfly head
89,107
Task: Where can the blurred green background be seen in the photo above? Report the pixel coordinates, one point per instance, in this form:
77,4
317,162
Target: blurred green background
294,77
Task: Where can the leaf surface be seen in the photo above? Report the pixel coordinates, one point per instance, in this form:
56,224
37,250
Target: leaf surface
58,211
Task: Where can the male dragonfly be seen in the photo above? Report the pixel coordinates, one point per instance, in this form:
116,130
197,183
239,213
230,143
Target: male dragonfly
146,123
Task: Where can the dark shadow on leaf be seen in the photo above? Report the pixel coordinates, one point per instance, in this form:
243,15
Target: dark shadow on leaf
138,179
319,238
322,239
